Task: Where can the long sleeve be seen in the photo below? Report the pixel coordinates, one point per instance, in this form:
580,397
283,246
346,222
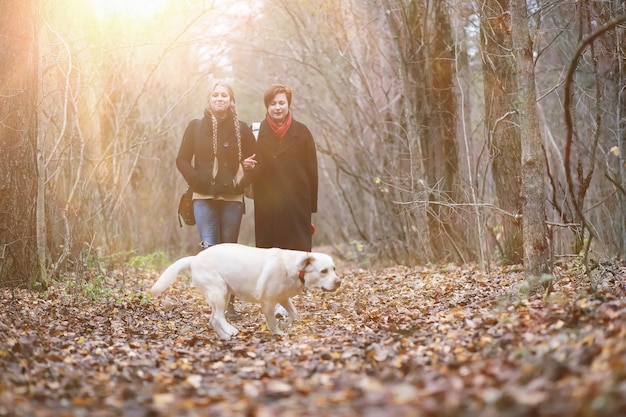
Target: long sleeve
311,168
186,153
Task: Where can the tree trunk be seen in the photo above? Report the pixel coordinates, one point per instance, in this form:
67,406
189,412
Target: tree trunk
18,167
442,162
501,121
536,248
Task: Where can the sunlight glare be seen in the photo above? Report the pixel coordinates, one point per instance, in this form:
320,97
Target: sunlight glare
127,8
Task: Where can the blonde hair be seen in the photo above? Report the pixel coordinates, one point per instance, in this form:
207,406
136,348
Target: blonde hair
233,109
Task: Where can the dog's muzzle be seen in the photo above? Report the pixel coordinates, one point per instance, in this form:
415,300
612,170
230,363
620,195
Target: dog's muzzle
336,284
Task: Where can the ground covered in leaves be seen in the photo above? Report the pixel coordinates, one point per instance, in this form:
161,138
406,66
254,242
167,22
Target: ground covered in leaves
445,341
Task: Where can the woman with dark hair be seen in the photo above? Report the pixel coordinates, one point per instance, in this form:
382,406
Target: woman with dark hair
285,178
214,158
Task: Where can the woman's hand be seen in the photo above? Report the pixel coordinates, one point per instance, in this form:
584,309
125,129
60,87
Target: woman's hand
249,163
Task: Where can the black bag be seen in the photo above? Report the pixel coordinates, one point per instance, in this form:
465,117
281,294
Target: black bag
185,209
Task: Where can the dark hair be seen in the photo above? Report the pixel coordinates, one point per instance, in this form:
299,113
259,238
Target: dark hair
274,90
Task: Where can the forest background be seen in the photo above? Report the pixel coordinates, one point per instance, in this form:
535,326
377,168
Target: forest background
440,125
415,107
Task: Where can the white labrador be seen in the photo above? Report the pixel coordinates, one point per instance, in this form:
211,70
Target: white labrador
264,276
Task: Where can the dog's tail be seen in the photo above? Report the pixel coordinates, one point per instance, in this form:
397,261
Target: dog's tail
168,277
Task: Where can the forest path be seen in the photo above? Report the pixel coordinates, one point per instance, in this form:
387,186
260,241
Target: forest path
397,341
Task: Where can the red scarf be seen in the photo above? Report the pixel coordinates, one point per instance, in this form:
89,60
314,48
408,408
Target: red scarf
279,130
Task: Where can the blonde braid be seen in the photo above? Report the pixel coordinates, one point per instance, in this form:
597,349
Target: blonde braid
237,131
214,130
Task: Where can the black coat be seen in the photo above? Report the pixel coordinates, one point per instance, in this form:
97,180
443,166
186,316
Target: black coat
197,146
285,188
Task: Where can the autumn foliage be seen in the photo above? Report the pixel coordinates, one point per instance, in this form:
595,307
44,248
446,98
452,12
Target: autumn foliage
445,341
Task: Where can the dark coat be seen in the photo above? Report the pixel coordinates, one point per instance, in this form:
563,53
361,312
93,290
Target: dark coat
197,146
285,188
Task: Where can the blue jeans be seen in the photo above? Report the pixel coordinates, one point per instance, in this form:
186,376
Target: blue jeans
217,221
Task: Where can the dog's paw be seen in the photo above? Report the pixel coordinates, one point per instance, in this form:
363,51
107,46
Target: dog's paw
277,331
283,324
224,329
225,335
232,331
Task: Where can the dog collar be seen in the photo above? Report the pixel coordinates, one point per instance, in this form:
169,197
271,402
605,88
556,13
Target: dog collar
301,276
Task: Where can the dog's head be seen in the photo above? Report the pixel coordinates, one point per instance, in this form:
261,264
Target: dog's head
318,270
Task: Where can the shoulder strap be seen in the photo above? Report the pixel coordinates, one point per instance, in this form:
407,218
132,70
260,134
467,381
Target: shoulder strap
255,129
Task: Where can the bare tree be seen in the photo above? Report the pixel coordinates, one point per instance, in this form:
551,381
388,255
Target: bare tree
502,122
591,152
442,148
579,188
19,265
536,249
386,87
112,132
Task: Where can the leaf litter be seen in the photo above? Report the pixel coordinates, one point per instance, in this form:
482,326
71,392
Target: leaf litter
429,341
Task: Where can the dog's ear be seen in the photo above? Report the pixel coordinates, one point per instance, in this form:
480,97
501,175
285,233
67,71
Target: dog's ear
305,261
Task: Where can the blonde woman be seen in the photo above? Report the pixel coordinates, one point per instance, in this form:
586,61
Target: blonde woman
215,158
